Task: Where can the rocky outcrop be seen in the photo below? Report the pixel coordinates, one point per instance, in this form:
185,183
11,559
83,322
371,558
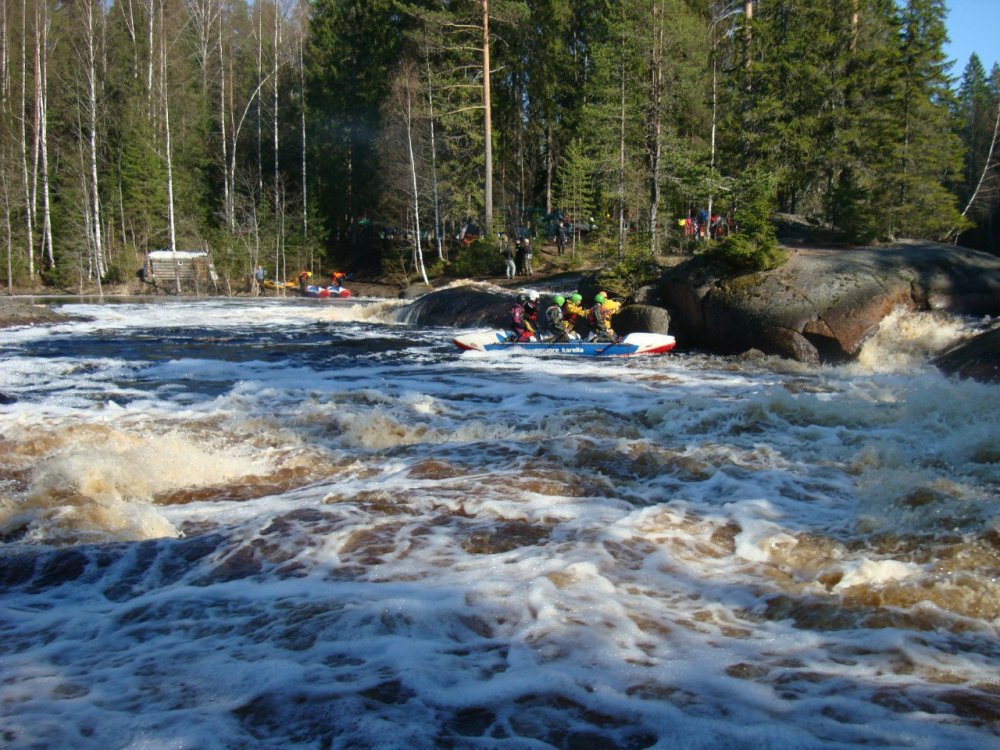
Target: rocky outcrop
467,306
978,358
824,303
18,314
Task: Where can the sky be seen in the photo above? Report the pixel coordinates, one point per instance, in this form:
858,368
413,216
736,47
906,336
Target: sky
973,26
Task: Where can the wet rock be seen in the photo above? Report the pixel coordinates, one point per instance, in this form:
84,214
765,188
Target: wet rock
467,306
373,289
824,303
977,359
413,291
790,344
18,314
641,318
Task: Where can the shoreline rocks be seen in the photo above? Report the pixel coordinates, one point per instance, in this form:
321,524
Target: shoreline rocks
823,304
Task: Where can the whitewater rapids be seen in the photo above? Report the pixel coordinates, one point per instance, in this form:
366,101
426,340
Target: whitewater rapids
298,524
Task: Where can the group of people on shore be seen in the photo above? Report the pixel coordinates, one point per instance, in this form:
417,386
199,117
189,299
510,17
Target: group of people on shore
701,225
564,319
517,257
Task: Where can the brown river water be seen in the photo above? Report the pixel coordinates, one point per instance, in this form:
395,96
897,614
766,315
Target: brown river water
301,524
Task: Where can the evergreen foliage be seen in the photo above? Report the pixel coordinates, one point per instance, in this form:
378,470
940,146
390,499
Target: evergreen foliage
288,146
753,246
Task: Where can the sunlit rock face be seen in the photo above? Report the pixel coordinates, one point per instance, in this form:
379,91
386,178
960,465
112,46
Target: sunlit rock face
978,358
642,318
823,304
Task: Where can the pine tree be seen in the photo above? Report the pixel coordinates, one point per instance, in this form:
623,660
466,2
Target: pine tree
917,202
575,180
353,48
864,131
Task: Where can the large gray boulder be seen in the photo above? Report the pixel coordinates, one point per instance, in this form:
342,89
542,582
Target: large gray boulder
824,303
642,319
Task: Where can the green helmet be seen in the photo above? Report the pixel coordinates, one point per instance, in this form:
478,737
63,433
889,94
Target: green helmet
576,298
600,299
559,300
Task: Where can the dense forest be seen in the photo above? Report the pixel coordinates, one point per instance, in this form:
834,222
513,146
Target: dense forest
368,133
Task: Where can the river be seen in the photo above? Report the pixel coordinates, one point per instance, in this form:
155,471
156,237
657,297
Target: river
280,524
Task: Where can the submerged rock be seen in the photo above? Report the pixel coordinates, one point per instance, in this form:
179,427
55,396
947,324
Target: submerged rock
977,359
19,314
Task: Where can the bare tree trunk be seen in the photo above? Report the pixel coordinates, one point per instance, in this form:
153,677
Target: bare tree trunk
28,208
711,161
92,136
550,166
4,66
43,109
260,115
202,14
275,82
6,214
279,234
279,228
621,158
748,39
855,18
168,149
237,127
522,189
656,135
227,198
986,166
88,220
418,255
128,17
434,178
305,152
87,255
35,129
151,15
487,121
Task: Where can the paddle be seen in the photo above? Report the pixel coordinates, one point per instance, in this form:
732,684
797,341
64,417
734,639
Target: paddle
616,341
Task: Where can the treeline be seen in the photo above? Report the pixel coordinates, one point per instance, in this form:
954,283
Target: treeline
367,133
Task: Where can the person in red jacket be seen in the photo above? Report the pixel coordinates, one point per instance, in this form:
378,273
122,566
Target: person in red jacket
522,321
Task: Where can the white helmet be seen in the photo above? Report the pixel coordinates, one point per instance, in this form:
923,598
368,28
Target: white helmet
533,295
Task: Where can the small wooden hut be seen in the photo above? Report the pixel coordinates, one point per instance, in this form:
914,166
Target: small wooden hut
179,270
